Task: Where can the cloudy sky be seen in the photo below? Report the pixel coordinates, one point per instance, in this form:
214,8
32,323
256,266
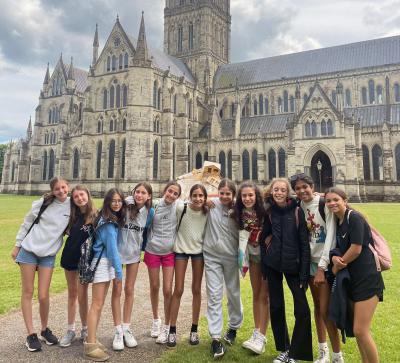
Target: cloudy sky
34,32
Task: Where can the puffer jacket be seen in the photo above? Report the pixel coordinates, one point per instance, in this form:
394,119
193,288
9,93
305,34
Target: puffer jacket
289,249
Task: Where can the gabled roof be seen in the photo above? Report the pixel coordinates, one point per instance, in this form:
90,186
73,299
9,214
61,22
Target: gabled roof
370,53
375,115
80,79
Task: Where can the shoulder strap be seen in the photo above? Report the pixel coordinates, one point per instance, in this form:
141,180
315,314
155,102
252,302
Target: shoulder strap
183,213
348,216
296,215
150,216
37,219
321,208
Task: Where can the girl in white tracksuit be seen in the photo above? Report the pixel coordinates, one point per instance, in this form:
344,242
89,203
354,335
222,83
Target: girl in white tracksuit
220,252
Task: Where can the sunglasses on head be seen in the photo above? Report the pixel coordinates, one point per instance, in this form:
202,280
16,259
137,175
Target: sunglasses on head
296,177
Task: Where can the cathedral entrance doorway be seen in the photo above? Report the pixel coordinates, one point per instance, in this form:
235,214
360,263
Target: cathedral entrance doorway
321,171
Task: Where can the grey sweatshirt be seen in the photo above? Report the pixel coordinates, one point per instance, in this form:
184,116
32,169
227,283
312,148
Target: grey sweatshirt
163,230
46,237
221,233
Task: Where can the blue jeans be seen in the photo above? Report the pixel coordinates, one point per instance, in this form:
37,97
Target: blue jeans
30,258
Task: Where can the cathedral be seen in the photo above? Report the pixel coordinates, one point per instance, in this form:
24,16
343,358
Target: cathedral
140,113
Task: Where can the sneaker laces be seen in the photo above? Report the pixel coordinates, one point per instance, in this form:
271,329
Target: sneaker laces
194,335
283,357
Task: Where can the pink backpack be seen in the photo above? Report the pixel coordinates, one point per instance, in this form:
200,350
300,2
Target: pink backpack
379,248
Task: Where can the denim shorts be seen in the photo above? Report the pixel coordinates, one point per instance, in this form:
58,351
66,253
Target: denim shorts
186,256
30,258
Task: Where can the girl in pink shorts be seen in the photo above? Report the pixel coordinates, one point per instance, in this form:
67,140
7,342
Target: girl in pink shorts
159,253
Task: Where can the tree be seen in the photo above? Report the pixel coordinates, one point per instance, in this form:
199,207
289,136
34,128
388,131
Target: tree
3,148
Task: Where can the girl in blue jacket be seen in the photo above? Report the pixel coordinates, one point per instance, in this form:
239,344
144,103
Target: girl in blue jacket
111,219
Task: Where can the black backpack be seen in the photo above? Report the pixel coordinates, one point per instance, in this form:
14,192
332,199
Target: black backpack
85,269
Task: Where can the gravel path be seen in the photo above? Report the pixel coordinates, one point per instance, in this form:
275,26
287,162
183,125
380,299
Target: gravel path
12,342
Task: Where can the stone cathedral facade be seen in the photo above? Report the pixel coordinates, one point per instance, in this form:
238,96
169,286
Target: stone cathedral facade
143,114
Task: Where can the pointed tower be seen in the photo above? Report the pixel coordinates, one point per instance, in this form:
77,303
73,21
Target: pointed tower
339,96
71,84
141,55
47,76
95,46
29,129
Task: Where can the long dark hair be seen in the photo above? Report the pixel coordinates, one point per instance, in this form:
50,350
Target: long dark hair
132,209
49,197
107,213
203,189
90,213
258,206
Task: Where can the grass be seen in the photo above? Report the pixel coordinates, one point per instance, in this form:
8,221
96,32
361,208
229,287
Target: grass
385,324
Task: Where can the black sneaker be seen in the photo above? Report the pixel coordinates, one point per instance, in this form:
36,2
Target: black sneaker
48,337
230,336
194,338
32,343
217,348
171,341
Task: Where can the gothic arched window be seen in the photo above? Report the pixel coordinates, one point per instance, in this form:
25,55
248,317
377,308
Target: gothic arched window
266,105
330,127
50,116
307,128
99,127
124,95
111,157
114,63
291,103
105,99
397,160
324,130
245,165
379,94
191,36
230,164
123,150
126,60
159,99
155,94
206,156
377,163
98,159
75,165
199,162
285,101
281,163
222,161
155,160
124,124
261,103
44,163
348,98
364,100
313,129
112,95
396,92
305,98
279,104
118,96
255,107
120,62
175,104
366,166
108,64
111,125
371,91
271,164
254,166
52,162
12,172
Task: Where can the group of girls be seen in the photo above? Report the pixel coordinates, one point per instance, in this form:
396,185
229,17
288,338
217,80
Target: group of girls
286,236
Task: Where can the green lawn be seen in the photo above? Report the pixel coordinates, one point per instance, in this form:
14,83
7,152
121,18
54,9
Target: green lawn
385,325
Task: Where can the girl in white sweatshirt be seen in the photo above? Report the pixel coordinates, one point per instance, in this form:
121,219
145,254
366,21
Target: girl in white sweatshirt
38,241
322,236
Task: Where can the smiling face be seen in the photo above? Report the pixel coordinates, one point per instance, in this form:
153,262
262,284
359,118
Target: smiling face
280,193
141,196
225,196
80,199
171,194
304,191
60,191
248,196
335,203
197,199
116,203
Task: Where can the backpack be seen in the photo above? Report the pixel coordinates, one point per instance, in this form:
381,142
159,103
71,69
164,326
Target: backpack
85,269
183,213
149,221
321,208
379,248
37,219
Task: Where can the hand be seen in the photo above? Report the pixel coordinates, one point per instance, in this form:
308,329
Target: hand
319,277
210,204
335,270
15,252
338,262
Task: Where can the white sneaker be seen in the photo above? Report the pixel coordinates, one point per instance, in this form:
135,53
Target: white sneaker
129,339
163,336
257,343
67,339
155,328
248,342
118,342
337,359
323,355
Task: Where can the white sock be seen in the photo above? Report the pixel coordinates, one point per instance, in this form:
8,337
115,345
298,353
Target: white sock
125,326
118,329
336,355
323,345
71,327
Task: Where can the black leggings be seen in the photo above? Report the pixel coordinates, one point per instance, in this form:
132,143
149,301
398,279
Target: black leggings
301,346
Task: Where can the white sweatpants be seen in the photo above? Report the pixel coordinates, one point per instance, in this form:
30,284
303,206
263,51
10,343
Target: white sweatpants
217,270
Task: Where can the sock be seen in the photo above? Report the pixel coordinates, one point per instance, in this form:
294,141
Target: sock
172,329
118,329
71,327
336,355
125,326
84,327
193,329
323,345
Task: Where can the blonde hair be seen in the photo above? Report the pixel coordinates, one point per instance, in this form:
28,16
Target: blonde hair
269,187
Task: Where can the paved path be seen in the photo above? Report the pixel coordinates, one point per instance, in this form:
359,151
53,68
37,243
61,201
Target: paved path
13,334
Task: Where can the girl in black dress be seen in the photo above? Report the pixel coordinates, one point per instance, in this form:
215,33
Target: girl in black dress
80,225
366,285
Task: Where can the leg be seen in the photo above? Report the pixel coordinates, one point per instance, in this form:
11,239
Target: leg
363,313
180,272
197,277
99,293
83,302
301,346
72,283
168,277
44,274
154,278
116,301
215,288
27,286
277,310
130,279
319,321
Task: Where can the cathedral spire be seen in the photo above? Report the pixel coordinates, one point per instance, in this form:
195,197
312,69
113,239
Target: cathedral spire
141,53
29,129
71,70
47,76
95,46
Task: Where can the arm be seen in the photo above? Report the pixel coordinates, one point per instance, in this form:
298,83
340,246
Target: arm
305,256
28,220
111,239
